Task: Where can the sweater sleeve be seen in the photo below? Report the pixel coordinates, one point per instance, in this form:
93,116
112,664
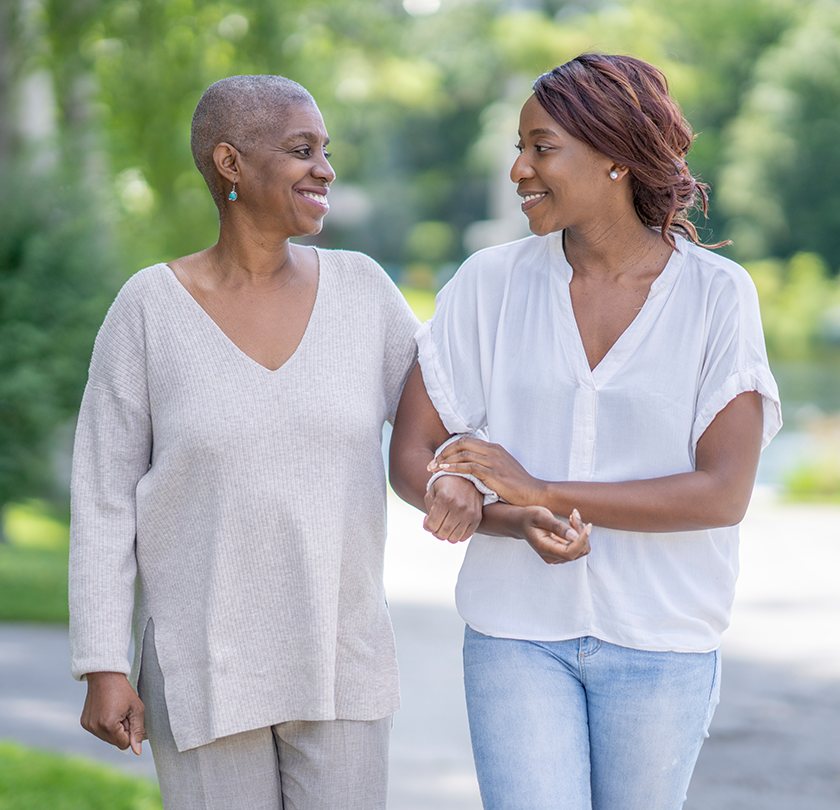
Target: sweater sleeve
399,349
111,454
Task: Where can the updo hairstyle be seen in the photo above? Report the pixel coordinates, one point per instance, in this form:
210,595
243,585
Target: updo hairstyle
620,106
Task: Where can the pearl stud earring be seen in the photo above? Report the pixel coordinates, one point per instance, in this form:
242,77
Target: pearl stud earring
613,175
233,195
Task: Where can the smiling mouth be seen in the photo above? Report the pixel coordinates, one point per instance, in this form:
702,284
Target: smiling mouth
321,199
530,200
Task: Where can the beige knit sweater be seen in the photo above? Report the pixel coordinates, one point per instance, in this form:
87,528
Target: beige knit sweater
240,508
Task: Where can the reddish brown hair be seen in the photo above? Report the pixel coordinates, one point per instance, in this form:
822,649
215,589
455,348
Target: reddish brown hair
621,107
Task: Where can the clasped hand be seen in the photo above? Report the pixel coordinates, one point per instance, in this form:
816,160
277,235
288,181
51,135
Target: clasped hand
491,464
455,511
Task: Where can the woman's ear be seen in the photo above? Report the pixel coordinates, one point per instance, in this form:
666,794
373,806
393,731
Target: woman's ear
226,158
617,171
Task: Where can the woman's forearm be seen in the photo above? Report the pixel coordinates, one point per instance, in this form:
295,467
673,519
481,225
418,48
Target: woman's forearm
408,474
716,493
418,432
502,520
684,502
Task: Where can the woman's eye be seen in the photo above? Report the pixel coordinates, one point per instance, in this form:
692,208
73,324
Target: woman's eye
518,147
327,154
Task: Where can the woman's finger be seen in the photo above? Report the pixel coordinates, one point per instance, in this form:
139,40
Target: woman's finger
445,462
580,547
467,443
467,468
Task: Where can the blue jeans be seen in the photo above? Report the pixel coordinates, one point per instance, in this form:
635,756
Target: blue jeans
585,725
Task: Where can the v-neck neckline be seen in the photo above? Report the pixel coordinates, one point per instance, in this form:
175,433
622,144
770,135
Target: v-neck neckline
214,327
627,342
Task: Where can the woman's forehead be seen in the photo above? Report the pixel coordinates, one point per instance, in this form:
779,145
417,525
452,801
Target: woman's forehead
299,121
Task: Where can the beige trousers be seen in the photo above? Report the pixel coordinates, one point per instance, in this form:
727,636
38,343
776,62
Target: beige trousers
300,765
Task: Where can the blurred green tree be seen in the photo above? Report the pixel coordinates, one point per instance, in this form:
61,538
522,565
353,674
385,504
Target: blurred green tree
53,294
779,183
56,275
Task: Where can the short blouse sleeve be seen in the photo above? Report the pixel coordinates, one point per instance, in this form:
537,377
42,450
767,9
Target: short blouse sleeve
736,358
455,352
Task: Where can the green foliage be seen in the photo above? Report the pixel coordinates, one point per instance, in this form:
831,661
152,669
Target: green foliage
817,481
35,780
35,525
33,565
817,478
55,286
779,176
422,301
33,585
795,298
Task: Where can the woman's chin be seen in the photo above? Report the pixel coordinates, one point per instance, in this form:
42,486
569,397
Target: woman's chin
538,229
312,230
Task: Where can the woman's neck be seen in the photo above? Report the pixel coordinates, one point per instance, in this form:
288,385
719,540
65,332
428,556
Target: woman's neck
624,246
249,255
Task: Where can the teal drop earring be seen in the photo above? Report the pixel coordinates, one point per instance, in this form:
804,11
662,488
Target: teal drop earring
233,195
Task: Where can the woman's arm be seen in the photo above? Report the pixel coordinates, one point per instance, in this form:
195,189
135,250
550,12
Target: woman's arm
715,494
454,505
112,452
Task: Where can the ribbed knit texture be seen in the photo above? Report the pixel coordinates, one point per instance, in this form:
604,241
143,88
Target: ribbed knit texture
243,509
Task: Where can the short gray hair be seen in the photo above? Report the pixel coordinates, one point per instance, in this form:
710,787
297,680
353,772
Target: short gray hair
238,110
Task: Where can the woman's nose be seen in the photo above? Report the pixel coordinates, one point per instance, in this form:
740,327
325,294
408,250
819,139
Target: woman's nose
323,170
521,169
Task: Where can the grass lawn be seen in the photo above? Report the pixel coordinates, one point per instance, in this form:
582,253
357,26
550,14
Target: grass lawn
33,566
36,780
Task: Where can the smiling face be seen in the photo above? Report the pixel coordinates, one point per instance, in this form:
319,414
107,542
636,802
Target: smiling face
286,174
563,182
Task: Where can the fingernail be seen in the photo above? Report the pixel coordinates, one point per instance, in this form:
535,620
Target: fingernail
444,466
575,514
572,535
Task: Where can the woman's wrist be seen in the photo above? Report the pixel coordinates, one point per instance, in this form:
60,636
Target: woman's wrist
539,493
552,496
503,520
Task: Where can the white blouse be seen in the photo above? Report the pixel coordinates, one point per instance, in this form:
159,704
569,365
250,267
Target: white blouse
504,352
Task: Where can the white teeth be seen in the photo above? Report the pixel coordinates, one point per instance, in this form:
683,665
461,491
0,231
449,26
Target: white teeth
529,197
321,198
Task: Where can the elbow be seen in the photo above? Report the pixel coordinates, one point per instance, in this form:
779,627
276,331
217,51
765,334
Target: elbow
397,479
729,510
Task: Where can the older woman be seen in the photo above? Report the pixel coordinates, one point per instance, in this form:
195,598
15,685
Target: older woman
229,491
620,370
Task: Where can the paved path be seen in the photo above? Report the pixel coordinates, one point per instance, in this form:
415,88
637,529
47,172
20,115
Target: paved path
775,741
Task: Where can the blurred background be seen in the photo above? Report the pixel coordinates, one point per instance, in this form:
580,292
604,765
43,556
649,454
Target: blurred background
421,99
